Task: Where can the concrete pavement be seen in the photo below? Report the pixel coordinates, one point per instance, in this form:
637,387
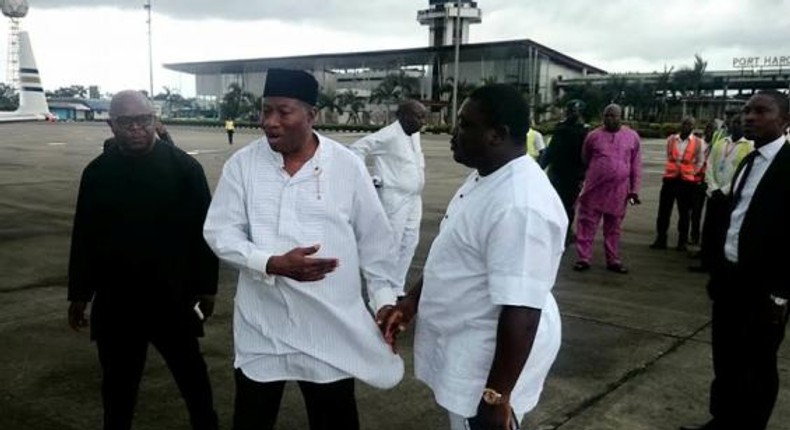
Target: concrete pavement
635,352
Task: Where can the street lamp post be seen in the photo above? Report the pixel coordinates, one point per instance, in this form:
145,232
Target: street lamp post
147,7
457,34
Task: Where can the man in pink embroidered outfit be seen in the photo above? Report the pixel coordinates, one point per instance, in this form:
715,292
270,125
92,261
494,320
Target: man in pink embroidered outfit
613,178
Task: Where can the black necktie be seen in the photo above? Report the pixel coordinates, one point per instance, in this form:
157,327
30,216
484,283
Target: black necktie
746,167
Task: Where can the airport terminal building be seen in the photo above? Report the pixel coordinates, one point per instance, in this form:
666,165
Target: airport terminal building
526,64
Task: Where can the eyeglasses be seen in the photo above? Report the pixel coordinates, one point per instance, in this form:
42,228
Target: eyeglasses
127,121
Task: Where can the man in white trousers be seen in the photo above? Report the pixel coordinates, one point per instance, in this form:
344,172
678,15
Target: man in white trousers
398,172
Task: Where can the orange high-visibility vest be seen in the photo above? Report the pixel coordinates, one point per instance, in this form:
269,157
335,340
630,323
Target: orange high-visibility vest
688,165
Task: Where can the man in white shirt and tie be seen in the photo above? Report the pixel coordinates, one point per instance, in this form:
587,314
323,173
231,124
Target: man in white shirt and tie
296,213
749,280
398,173
488,328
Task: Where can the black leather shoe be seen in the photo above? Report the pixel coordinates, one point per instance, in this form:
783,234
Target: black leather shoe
659,244
698,269
681,247
617,268
710,425
581,266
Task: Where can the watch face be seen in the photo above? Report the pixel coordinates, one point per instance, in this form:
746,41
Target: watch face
491,397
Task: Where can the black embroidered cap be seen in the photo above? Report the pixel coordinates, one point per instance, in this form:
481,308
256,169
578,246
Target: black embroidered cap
295,84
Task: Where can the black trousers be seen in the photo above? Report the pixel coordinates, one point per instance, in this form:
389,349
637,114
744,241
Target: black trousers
122,358
329,406
568,190
230,137
746,340
716,220
698,199
672,190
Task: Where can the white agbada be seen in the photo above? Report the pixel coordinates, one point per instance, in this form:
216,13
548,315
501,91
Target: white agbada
311,331
500,243
399,168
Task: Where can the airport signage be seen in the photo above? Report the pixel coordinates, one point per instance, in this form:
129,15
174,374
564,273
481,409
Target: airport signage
770,61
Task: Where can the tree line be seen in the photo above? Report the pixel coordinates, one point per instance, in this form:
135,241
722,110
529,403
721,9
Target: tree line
649,101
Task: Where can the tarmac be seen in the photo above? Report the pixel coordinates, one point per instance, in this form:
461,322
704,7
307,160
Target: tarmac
635,349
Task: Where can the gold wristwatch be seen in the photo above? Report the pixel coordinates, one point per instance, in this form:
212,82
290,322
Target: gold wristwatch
492,397
778,301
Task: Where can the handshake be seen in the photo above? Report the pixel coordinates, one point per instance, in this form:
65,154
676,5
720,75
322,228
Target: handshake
392,320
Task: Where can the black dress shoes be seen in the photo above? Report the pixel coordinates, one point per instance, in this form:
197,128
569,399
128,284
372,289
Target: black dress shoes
659,244
617,268
710,425
698,269
581,266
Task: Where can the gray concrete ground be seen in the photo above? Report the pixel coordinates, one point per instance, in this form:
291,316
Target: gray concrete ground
635,350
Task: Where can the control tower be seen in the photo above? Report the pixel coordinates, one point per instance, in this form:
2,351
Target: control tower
15,10
441,17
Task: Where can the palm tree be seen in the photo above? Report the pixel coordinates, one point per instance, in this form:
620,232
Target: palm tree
683,81
700,66
614,90
446,94
328,103
688,81
350,102
172,100
237,103
250,106
394,88
642,97
464,89
594,98
663,85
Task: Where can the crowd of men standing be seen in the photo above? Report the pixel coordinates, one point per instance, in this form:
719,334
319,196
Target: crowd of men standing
740,169
304,222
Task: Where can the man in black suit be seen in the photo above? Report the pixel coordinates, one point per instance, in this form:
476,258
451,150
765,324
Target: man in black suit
563,157
748,283
137,253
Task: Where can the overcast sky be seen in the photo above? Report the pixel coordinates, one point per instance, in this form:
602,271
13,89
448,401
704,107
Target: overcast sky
104,42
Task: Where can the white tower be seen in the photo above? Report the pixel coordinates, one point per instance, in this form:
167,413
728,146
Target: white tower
15,10
441,17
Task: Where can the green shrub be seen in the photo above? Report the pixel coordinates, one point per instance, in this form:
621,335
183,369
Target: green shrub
669,128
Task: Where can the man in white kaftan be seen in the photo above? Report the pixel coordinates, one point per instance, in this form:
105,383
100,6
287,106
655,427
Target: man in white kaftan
398,172
296,213
488,327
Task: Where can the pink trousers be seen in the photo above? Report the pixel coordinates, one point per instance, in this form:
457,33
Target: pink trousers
587,220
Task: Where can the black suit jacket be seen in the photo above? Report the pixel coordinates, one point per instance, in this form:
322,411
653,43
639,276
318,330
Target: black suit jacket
764,239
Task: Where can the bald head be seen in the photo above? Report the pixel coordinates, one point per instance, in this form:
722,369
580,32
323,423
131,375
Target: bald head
130,103
410,106
412,115
132,122
612,115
